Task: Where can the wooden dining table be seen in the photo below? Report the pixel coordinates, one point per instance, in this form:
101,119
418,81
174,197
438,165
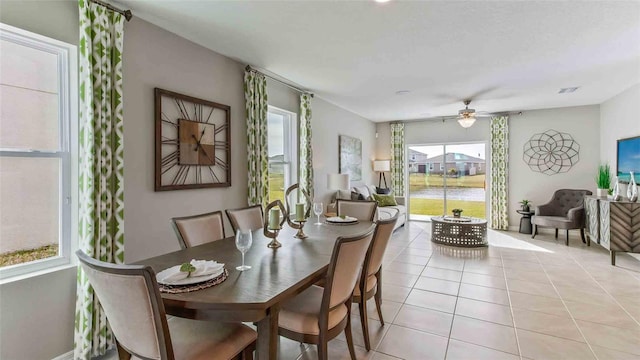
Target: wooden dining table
256,295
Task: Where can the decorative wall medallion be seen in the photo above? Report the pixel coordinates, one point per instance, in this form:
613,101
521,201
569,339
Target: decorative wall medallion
551,152
193,142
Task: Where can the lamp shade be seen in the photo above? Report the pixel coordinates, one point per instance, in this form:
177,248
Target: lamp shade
381,165
338,181
466,122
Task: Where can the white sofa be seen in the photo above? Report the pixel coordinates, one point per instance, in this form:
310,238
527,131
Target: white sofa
384,212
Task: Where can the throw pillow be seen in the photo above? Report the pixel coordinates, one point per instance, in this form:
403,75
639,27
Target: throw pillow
356,196
383,191
362,190
385,200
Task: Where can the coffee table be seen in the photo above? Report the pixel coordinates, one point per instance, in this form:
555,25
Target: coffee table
462,231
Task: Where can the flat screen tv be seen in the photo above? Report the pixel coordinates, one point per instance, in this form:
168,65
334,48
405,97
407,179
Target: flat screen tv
628,159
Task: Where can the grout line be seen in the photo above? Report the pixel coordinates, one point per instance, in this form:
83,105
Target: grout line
513,318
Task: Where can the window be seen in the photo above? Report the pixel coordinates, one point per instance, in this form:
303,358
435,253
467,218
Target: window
441,166
283,150
38,110
430,166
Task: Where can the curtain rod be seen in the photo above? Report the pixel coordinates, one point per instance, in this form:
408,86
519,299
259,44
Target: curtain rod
249,68
127,13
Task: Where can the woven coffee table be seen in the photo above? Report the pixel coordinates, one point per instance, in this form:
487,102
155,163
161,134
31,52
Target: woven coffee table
463,231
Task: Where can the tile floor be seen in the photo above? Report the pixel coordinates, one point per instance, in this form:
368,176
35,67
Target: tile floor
517,299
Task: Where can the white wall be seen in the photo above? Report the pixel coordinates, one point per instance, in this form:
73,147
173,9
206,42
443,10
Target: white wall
618,120
581,122
39,308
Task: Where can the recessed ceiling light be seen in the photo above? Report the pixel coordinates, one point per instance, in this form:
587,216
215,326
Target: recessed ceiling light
382,1
402,92
568,90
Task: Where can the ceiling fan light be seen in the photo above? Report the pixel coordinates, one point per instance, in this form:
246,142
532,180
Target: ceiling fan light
466,122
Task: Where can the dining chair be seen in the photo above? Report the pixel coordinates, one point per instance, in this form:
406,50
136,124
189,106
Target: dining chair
249,218
318,314
370,283
131,300
361,210
198,229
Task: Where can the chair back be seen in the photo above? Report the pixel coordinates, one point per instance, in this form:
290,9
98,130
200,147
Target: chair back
344,269
249,218
361,210
381,237
131,301
198,229
565,199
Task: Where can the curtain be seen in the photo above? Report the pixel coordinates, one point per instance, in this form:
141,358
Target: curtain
255,94
397,159
100,178
306,154
499,172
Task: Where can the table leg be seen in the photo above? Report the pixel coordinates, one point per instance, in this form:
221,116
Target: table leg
268,335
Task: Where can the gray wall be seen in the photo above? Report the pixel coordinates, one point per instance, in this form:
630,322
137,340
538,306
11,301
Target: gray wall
582,122
41,307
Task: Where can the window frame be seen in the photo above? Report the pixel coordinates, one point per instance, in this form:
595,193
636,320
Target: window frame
290,148
67,151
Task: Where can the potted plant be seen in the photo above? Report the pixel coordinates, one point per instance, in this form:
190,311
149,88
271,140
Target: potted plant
456,212
603,180
525,205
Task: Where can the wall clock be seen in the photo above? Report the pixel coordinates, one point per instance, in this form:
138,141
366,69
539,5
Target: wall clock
193,142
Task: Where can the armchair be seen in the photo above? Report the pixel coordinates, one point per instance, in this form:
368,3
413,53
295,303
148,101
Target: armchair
564,211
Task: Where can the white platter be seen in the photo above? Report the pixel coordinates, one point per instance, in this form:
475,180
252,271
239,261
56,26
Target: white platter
187,281
339,220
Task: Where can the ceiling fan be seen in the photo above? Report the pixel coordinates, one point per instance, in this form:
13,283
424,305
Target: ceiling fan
467,117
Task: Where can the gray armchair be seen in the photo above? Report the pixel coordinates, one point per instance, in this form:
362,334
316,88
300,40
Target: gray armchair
564,211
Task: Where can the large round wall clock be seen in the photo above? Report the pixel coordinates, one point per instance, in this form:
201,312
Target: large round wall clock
193,139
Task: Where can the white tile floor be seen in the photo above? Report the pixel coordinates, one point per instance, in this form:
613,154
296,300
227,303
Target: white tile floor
517,299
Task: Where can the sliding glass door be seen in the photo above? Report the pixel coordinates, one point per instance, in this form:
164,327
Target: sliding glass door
444,177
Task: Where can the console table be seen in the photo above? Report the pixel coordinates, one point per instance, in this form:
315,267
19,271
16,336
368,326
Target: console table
615,225
464,231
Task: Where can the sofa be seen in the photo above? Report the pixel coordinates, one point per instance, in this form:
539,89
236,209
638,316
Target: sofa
364,192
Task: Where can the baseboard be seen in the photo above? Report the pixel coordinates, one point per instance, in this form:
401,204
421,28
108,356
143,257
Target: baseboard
65,356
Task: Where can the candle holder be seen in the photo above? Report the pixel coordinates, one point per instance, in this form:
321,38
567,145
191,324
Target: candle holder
273,233
298,223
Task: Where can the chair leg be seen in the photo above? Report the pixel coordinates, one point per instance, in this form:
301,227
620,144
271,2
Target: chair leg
322,347
535,231
349,336
362,306
567,237
122,353
378,299
556,233
582,236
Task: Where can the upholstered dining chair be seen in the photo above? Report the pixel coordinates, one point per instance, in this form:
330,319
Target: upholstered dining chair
246,218
318,314
131,300
370,284
198,229
361,210
564,211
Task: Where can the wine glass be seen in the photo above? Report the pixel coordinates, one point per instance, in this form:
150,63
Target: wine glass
244,240
317,209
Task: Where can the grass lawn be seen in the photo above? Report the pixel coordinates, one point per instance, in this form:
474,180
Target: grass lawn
422,181
276,187
23,256
420,206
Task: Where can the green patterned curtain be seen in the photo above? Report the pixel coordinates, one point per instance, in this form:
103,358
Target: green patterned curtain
397,159
100,182
499,172
306,154
255,94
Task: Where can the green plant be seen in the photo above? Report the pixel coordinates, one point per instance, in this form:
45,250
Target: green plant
525,202
457,211
188,268
603,179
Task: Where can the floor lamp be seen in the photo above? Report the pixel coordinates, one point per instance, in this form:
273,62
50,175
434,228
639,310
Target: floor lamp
381,166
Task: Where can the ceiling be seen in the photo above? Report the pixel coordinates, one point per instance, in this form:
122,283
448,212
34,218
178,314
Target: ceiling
505,56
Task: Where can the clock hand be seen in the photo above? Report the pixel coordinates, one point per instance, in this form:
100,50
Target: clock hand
198,141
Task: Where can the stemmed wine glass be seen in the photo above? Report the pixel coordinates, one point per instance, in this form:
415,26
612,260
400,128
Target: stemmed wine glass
244,239
317,209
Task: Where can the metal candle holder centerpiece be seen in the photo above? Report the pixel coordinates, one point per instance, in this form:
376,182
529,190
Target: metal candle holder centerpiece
273,224
301,214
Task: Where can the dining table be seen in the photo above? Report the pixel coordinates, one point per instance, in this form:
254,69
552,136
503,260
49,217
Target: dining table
256,295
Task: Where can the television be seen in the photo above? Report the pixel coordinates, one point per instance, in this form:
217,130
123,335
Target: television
628,159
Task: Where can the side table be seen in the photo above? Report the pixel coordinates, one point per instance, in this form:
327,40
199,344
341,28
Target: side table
525,221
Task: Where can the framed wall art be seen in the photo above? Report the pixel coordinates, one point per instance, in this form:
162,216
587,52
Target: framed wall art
350,150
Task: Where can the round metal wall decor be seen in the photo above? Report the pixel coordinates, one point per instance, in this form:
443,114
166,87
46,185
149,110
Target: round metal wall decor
551,152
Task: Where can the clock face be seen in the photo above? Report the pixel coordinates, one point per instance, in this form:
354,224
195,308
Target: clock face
193,141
